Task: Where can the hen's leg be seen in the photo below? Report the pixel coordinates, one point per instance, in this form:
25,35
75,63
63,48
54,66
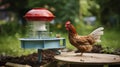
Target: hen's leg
81,54
77,51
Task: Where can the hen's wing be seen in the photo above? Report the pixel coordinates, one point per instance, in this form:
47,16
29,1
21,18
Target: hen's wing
84,40
83,43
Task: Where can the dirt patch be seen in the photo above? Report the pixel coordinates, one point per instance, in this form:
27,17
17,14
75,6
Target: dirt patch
32,59
47,57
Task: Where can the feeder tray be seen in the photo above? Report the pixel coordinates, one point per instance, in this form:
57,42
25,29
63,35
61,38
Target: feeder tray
38,17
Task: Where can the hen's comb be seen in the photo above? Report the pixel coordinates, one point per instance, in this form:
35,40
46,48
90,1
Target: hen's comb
68,22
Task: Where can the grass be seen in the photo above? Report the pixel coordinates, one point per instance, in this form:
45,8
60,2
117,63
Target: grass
109,39
10,45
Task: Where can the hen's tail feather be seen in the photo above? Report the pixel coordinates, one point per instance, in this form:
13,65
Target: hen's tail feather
97,33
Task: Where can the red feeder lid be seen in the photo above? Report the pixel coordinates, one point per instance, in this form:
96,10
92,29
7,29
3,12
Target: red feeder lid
39,14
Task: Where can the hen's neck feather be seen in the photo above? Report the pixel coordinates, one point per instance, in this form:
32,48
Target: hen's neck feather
72,30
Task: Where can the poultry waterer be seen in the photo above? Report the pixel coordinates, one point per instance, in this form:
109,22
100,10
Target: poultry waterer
39,35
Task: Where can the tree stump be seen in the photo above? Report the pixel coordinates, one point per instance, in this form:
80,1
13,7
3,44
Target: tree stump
88,59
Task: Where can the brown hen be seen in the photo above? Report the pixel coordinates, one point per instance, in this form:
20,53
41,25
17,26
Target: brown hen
83,43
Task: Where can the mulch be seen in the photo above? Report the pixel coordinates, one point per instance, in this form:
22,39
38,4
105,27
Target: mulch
31,59
47,57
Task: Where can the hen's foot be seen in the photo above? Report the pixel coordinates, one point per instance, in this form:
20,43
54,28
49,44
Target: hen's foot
79,54
77,51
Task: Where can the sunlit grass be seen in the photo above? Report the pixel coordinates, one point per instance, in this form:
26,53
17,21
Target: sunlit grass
10,45
109,39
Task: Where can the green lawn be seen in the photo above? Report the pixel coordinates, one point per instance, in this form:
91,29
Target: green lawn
10,45
109,39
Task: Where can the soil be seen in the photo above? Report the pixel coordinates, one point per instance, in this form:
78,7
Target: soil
47,57
32,59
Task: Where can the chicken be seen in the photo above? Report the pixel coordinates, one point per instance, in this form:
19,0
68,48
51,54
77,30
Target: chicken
83,43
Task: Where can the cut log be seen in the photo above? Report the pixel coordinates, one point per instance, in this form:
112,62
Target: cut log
16,65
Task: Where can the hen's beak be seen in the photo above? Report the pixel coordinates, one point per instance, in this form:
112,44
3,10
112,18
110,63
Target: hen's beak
66,27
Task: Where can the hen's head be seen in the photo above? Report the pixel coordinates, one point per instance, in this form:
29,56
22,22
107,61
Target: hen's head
70,27
67,25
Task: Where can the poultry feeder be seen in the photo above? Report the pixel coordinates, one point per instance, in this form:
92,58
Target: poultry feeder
39,35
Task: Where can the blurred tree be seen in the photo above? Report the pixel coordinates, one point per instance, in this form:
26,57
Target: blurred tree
109,12
88,7
14,5
63,10
18,7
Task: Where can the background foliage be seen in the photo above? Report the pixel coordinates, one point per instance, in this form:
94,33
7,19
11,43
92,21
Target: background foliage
109,11
106,13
